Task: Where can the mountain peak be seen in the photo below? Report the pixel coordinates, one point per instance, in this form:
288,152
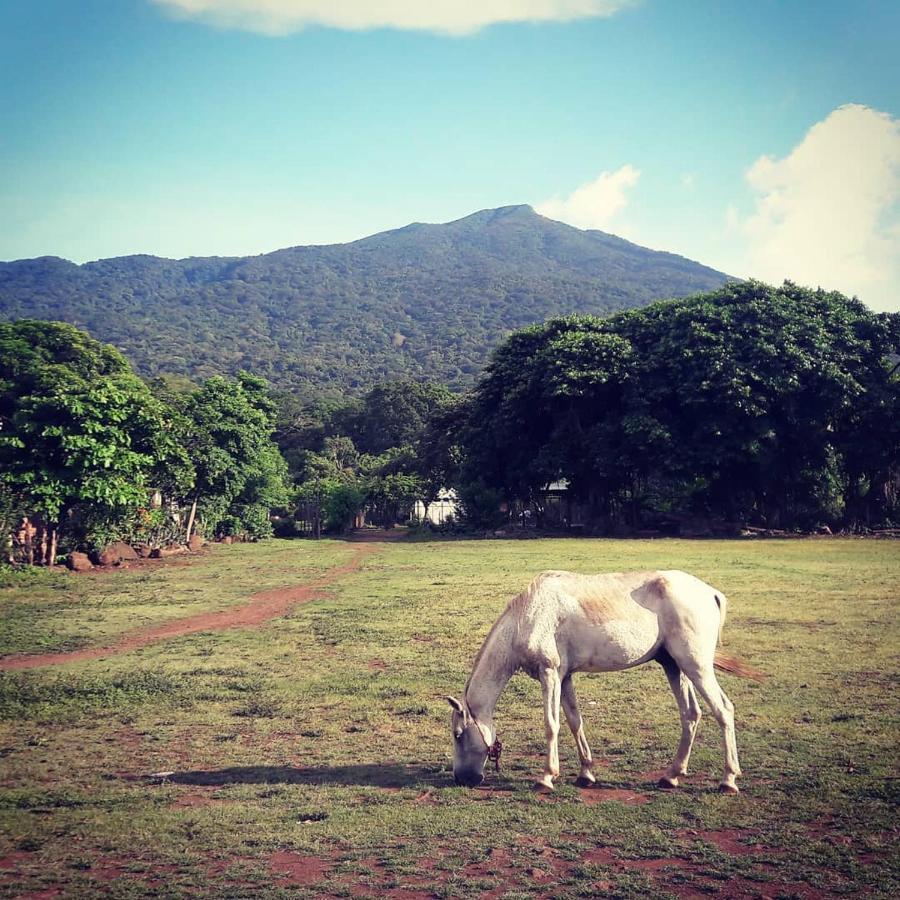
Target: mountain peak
518,212
327,318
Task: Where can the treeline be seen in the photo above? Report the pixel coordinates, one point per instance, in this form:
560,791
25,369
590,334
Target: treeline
90,454
757,405
751,405
366,459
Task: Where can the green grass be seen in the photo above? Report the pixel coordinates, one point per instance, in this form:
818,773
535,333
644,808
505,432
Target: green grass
42,611
325,732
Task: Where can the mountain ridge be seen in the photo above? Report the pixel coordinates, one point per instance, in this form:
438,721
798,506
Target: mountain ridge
427,300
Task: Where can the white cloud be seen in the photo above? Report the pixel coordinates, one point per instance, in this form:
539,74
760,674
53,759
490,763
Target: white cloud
277,17
828,213
595,204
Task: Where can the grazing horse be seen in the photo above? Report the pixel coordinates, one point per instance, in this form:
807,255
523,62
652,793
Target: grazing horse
566,623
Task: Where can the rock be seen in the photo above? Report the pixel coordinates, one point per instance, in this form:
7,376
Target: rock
227,539
113,553
163,552
79,562
196,543
142,550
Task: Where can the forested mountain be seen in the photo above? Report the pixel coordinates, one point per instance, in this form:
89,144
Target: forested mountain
424,301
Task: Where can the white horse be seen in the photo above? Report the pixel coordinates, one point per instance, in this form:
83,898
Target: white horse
566,623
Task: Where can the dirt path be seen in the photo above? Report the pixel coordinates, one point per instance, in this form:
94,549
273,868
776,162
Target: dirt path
260,608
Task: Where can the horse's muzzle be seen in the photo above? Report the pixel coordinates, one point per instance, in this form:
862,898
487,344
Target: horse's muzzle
468,780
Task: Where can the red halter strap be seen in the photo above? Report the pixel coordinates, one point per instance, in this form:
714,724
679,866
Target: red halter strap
493,750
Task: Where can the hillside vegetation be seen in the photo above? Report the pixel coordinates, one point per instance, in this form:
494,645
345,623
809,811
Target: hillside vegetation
424,301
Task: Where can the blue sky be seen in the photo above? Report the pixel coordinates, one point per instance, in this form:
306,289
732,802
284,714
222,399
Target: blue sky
761,138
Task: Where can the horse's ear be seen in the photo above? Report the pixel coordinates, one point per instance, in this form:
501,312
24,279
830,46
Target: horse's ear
456,705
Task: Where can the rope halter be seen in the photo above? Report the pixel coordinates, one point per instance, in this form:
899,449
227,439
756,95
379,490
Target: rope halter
493,750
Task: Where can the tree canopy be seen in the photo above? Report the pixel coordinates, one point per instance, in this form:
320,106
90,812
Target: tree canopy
754,402
84,443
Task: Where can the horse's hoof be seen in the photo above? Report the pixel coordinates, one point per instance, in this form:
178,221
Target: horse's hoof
728,789
584,781
541,788
667,783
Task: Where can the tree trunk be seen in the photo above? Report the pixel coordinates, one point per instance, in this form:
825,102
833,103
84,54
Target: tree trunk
190,524
51,549
28,540
42,555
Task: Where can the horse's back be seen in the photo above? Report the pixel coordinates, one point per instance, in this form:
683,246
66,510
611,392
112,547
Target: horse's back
607,621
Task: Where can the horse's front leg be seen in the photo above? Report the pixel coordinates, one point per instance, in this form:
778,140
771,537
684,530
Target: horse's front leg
551,688
576,723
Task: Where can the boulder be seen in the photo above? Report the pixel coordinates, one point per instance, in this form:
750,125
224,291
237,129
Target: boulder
142,550
196,543
79,562
113,554
163,552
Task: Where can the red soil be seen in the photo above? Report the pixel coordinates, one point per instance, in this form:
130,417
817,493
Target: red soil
297,869
734,841
261,608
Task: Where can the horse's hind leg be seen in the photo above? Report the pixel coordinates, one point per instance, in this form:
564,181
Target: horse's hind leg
704,679
576,723
689,711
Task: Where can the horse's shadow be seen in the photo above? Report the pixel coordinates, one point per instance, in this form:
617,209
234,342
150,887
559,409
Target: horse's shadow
389,776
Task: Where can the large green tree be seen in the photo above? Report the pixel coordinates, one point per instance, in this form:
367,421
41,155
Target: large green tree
240,474
753,402
78,428
393,414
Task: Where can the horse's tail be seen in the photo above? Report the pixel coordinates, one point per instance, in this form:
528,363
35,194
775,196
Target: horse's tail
722,603
725,661
728,663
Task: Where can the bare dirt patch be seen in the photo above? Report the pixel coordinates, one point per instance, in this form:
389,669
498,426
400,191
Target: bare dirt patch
260,608
11,862
192,800
129,737
601,856
375,881
297,869
746,889
734,841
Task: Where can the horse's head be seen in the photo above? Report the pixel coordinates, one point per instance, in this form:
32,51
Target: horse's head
472,743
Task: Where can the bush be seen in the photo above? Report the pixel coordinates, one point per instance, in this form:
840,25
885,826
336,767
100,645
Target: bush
342,503
481,505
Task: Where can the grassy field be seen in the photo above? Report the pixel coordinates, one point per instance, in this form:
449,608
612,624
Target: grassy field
309,756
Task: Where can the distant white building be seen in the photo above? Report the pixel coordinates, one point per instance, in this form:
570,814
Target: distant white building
445,507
